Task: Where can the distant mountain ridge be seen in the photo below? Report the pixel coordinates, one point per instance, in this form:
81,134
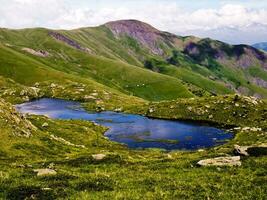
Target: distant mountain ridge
262,46
137,59
158,42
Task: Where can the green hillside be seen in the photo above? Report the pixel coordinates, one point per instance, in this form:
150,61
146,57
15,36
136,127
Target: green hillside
118,60
115,74
67,148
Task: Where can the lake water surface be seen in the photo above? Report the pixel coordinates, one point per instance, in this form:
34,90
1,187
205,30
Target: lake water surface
135,131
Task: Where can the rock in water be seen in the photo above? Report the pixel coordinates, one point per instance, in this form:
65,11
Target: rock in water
221,161
45,172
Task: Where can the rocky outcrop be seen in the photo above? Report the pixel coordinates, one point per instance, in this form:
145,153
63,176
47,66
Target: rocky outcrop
256,150
70,42
10,118
242,151
32,92
144,33
40,53
243,56
62,140
221,161
260,82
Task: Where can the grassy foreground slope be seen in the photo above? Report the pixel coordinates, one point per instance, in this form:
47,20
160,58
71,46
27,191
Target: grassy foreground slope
68,146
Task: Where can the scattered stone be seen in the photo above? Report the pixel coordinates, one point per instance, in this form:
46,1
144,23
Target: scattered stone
9,92
99,102
31,91
45,125
8,45
45,172
252,100
62,140
151,110
94,94
169,156
40,53
237,97
189,108
53,85
46,189
18,124
118,110
26,98
34,91
23,92
36,84
98,156
51,166
89,97
221,161
253,129
241,150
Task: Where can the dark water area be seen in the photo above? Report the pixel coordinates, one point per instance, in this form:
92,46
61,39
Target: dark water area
135,131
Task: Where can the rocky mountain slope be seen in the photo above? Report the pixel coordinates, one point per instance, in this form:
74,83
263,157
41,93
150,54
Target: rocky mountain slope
137,59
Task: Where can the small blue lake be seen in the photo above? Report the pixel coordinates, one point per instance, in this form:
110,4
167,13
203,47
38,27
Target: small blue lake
135,131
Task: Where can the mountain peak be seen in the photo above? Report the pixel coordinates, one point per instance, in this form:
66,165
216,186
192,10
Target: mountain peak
131,25
144,33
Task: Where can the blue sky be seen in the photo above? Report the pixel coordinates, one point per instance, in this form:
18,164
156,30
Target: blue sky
235,21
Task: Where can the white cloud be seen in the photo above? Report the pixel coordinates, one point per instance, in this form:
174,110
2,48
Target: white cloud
165,16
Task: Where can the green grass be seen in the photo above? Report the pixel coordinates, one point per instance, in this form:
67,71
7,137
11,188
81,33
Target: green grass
117,62
125,173
258,72
231,110
196,79
110,78
26,68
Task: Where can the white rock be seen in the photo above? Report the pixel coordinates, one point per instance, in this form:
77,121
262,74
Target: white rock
221,161
45,172
99,156
45,124
241,150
